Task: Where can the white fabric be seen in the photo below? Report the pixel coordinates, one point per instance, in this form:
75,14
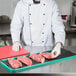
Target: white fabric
36,23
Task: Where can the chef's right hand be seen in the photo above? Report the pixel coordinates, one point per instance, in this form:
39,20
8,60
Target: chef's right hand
16,46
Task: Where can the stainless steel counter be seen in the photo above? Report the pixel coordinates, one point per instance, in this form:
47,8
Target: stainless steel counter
66,66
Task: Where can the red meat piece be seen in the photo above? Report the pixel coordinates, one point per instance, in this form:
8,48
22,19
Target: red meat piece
47,55
37,58
14,63
25,60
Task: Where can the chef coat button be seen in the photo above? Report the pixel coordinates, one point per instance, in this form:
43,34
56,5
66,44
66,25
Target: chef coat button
29,4
42,32
43,23
44,4
42,41
30,23
29,13
32,42
43,13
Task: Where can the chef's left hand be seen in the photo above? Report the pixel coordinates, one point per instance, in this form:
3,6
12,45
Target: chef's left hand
57,50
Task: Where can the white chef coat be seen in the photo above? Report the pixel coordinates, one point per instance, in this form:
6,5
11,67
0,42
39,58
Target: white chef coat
35,24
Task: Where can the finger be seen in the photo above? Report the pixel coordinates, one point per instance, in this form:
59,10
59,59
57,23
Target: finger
55,56
12,48
21,46
52,51
15,48
55,52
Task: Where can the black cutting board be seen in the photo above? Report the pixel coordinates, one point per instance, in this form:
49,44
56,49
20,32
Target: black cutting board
64,54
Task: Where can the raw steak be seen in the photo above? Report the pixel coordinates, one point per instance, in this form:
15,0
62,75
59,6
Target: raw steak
47,55
37,58
14,63
25,60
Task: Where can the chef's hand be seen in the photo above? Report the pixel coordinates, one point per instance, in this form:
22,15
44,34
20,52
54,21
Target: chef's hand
57,50
16,46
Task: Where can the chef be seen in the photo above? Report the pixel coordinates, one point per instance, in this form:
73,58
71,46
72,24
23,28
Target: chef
37,23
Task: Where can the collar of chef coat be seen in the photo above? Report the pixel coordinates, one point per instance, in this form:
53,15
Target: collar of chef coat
31,1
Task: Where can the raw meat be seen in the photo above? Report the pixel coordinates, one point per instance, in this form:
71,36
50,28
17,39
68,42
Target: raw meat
14,63
25,60
47,55
37,58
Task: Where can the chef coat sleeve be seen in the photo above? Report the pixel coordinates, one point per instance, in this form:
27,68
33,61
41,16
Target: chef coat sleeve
16,24
57,24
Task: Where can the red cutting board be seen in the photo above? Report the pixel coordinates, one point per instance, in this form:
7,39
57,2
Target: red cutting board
6,52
